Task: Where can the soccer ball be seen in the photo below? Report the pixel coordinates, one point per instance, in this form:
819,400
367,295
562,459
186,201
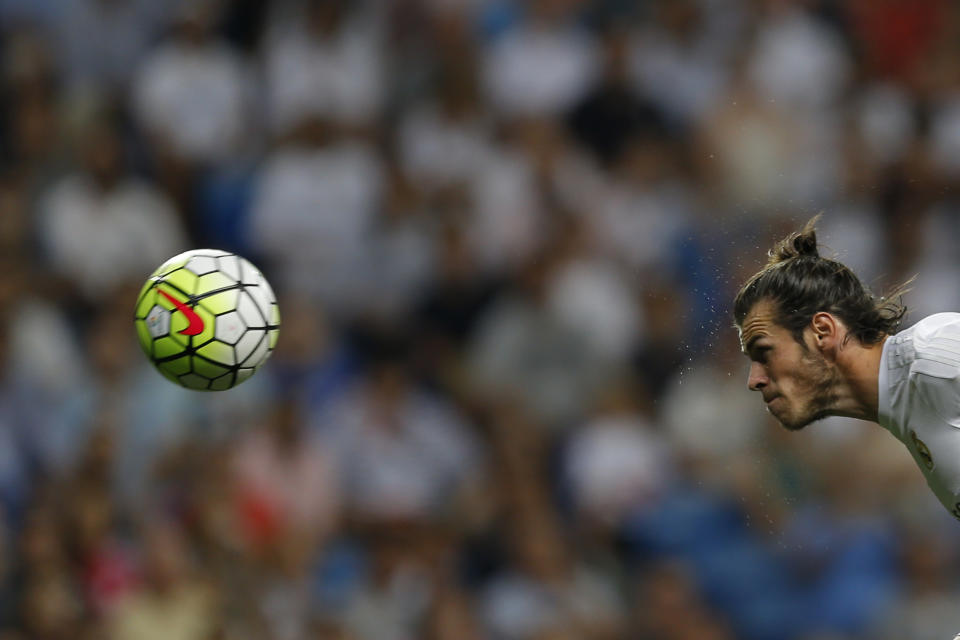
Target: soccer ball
207,319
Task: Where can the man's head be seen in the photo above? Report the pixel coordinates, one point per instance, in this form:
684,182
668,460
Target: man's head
795,316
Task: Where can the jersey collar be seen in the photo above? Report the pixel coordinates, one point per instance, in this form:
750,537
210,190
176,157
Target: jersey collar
883,384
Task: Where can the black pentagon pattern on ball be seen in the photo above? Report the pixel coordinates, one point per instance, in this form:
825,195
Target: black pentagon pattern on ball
230,265
233,370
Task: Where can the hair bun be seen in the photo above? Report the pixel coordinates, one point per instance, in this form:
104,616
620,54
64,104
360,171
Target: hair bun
798,244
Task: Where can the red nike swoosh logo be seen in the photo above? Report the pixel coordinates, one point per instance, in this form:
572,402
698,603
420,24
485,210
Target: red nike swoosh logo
196,322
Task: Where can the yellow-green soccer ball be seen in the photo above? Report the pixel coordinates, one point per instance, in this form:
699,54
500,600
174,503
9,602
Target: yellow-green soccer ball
207,319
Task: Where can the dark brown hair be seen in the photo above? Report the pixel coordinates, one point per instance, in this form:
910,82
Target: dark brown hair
799,283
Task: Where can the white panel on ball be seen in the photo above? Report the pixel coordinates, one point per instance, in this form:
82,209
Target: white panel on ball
230,266
249,273
229,327
267,289
259,354
202,264
248,343
262,301
249,312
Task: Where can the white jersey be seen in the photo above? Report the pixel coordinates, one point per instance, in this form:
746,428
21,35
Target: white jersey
919,400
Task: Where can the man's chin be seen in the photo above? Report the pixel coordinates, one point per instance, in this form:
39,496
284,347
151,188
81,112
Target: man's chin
788,422
793,426
793,423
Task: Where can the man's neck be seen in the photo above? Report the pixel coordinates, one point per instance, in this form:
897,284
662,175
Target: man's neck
859,368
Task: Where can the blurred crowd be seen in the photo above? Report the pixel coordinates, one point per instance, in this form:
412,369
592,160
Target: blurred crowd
507,402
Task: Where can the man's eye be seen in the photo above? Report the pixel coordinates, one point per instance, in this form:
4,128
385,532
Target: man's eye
761,354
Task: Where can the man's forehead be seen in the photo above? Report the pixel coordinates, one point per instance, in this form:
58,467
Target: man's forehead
758,322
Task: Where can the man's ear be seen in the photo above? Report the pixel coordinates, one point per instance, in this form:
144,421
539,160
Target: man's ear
828,332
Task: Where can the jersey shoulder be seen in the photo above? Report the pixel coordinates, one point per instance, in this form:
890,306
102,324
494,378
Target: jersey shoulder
936,323
936,345
935,363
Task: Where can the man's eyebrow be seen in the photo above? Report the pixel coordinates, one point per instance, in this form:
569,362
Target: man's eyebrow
752,341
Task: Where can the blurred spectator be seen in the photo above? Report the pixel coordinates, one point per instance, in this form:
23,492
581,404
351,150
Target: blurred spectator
704,414
452,305
681,58
897,39
591,294
922,244
523,350
50,608
102,42
42,349
660,351
444,136
615,462
451,616
403,239
505,402
846,565
313,363
798,62
47,603
543,64
119,394
669,606
286,483
545,589
15,223
323,59
613,112
925,611
403,454
506,216
172,602
886,123
315,200
644,206
944,132
284,590
102,227
7,596
192,95
106,563
16,405
392,602
32,126
746,154
28,13
857,215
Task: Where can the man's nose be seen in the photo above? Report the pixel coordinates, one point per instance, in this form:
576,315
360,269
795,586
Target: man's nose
757,379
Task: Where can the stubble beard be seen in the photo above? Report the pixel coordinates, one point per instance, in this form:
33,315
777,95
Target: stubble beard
820,382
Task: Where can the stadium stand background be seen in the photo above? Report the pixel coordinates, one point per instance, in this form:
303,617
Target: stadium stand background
507,402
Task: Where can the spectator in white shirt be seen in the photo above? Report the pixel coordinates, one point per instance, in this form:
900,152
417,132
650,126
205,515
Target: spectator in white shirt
543,66
405,455
443,139
102,227
192,93
314,202
324,60
616,461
